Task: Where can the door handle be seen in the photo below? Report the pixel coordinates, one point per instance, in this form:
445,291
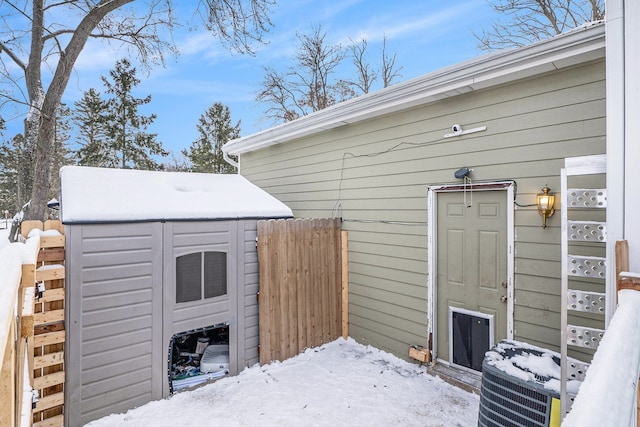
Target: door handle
504,284
503,298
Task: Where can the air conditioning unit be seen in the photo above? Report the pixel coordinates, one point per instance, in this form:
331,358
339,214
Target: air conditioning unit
520,386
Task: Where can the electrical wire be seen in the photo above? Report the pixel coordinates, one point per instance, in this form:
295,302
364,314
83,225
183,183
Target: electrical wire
337,208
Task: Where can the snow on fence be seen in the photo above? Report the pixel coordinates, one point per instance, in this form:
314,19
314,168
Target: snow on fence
609,395
17,264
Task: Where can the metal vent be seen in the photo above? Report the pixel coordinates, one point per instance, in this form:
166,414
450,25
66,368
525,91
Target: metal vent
508,401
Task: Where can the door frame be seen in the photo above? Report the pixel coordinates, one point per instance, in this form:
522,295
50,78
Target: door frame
432,240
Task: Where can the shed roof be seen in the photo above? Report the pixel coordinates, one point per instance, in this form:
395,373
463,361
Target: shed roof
583,44
101,195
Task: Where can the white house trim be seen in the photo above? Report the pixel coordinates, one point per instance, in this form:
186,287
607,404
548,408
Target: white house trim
580,45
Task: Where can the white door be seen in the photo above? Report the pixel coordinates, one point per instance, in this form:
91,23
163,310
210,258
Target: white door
471,260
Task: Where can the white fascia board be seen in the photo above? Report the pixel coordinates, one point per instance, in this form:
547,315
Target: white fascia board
578,46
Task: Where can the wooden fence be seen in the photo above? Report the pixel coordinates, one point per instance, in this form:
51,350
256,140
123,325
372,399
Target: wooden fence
16,337
302,282
49,334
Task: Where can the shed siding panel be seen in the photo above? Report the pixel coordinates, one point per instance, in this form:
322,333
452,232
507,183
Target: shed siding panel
115,313
250,275
375,176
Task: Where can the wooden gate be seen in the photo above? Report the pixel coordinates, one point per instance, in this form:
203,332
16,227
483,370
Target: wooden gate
301,287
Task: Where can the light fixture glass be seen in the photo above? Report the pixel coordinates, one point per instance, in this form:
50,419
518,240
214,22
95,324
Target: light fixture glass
545,202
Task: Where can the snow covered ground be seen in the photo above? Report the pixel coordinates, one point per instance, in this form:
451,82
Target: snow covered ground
4,237
341,383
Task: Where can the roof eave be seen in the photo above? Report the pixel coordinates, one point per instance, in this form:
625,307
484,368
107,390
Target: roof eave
575,47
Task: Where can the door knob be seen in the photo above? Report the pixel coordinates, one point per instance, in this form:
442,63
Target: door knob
503,298
504,284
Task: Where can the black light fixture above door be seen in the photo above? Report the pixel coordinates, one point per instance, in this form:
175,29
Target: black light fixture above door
462,173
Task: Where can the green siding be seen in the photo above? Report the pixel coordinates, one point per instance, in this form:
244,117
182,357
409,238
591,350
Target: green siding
375,175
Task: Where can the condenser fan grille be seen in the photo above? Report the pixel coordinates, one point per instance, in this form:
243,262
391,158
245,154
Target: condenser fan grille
509,401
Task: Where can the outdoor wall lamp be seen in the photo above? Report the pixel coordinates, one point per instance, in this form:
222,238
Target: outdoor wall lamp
545,202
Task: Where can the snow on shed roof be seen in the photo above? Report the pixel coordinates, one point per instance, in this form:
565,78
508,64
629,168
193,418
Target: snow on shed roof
97,195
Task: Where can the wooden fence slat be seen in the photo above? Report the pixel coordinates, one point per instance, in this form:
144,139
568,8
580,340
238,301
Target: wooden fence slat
48,380
291,289
319,272
54,225
51,295
283,295
50,272
301,300
344,239
7,375
26,314
27,225
263,292
50,316
56,421
49,402
50,359
28,277
51,241
51,254
337,279
48,339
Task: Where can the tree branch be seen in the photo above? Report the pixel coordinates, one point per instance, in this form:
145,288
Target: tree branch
13,56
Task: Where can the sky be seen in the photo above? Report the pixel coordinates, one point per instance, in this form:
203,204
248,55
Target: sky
426,35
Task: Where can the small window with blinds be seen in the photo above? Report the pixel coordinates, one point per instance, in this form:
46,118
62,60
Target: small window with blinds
201,275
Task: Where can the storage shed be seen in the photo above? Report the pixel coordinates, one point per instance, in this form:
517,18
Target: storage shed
159,267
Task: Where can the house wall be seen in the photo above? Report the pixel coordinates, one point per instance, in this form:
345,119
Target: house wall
375,174
122,311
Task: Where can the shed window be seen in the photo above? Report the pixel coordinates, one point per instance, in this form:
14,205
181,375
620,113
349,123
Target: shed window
201,273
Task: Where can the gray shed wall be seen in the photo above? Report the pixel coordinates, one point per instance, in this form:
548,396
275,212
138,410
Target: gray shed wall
375,174
122,311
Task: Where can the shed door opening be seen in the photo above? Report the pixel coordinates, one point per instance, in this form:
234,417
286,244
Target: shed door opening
198,356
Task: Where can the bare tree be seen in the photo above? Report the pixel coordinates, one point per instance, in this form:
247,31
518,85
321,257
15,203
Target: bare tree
365,74
389,71
308,85
312,83
33,37
526,21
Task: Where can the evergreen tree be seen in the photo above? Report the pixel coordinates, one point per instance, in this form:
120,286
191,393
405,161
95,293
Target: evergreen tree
16,164
129,145
16,173
215,129
89,117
